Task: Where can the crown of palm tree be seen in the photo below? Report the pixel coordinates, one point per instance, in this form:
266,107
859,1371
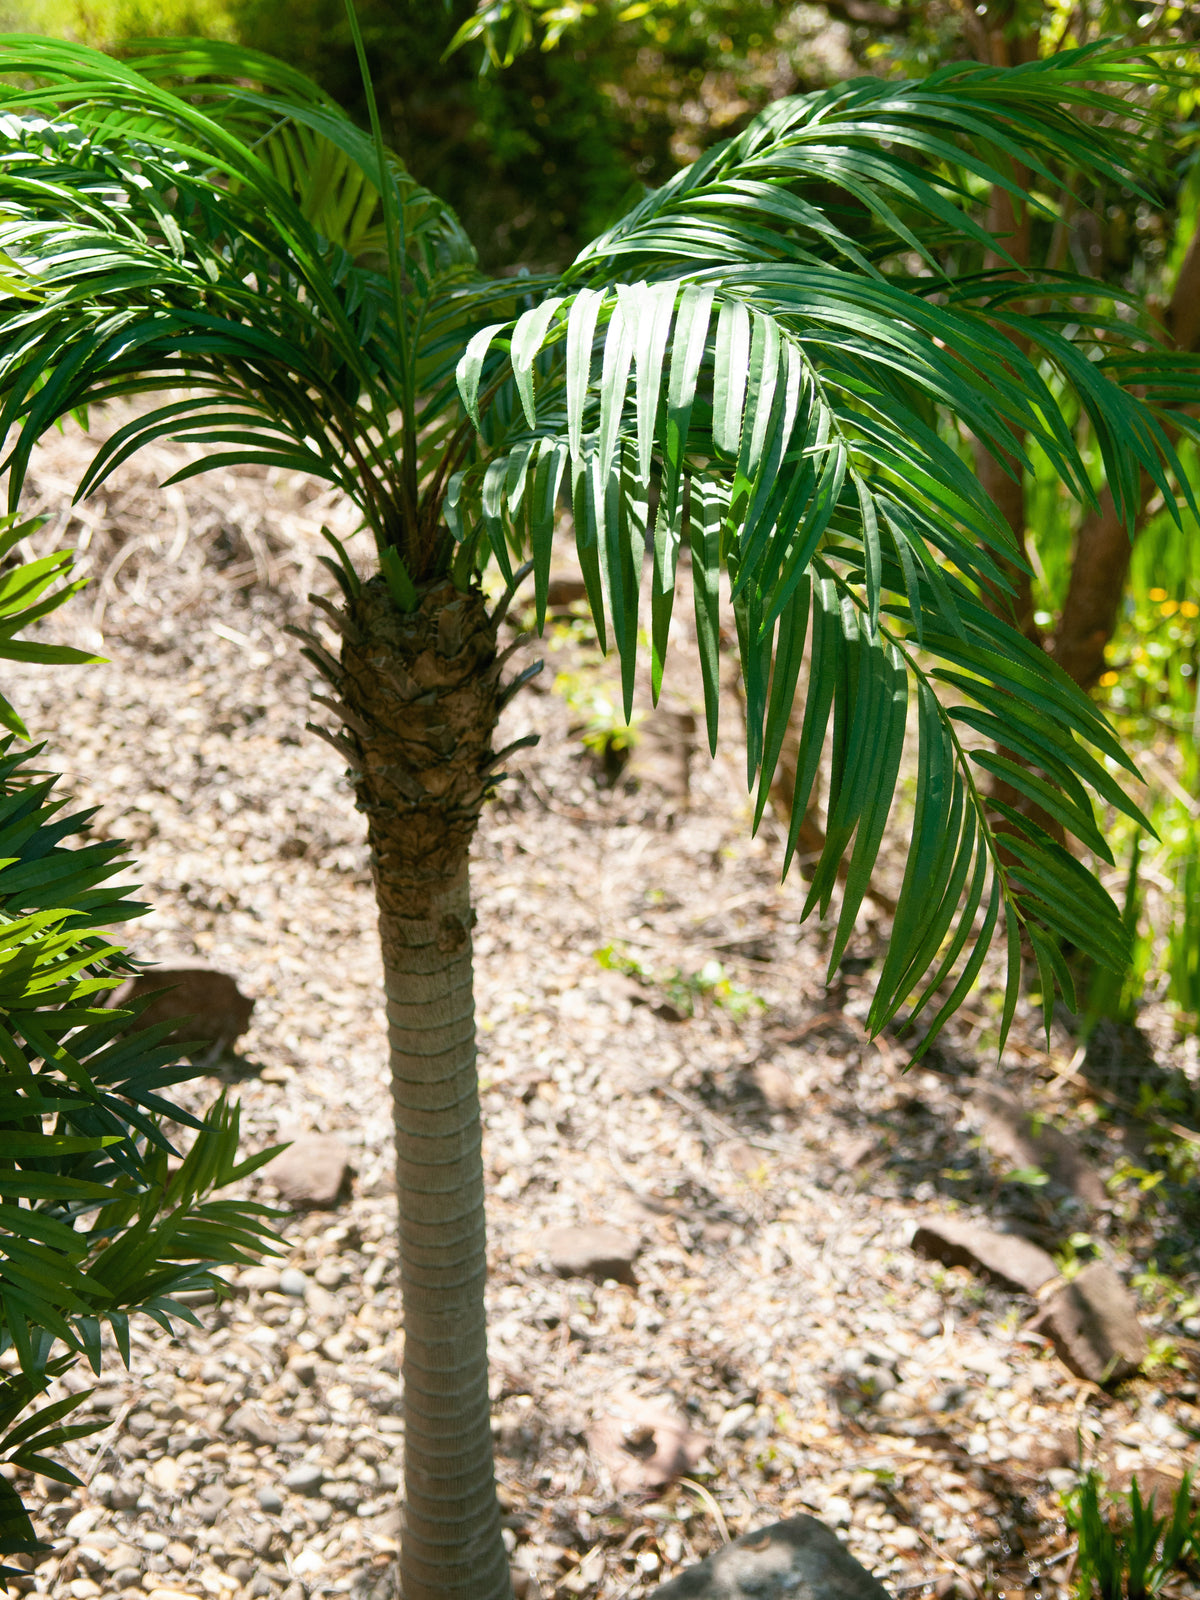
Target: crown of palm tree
767,364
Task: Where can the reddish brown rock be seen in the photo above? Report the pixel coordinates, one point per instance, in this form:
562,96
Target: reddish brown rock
644,1444
661,756
1007,1259
592,1252
208,1005
1093,1324
312,1171
800,1559
1013,1137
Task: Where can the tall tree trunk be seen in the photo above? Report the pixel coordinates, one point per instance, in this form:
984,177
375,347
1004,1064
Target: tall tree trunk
1103,546
1095,589
418,693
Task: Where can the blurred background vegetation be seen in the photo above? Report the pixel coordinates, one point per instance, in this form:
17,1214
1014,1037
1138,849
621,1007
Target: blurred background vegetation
550,115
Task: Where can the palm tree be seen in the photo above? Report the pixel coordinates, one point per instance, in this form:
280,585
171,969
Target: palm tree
761,370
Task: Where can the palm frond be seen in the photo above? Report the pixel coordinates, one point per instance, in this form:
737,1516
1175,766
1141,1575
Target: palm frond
813,386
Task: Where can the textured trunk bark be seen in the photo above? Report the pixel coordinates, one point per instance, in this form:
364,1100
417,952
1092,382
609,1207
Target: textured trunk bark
418,694
1099,566
1103,547
1009,496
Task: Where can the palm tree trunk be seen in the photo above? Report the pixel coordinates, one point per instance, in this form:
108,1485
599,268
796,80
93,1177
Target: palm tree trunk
452,1545
418,694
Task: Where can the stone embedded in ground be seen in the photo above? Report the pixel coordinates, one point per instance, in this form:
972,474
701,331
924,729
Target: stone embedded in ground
293,1282
312,1171
259,1280
116,1494
306,1477
1093,1324
1012,1262
661,755
214,1010
209,1501
592,1252
253,1424
644,1444
800,1559
1012,1135
564,589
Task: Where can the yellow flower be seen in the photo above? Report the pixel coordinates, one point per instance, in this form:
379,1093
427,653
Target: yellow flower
1158,594
1189,608
1107,679
1169,609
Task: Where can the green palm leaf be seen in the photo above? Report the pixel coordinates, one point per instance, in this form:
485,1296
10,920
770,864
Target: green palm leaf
746,366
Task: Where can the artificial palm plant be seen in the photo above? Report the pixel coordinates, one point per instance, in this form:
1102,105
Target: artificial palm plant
761,370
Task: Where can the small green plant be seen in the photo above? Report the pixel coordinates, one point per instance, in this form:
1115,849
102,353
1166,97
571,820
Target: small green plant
1075,1254
599,720
683,989
1183,946
1130,1557
1030,1177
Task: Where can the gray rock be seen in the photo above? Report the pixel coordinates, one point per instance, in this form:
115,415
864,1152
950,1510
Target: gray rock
117,1494
592,1252
306,1477
312,1171
259,1280
799,1559
127,1577
212,1007
1006,1258
1093,1324
254,1425
292,1281
270,1500
345,1493
209,1502
1011,1135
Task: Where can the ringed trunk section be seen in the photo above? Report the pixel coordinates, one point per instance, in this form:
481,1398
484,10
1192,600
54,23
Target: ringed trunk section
418,693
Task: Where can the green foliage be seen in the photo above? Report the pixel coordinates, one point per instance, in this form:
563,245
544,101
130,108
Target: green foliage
28,592
763,361
1131,1557
94,1222
1151,690
597,711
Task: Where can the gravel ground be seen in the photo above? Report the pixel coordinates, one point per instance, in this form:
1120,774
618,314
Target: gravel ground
768,1160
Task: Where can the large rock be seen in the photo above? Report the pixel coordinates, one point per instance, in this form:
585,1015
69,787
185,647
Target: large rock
312,1171
1012,1262
597,1252
1012,1135
208,1005
1093,1324
799,1559
661,756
